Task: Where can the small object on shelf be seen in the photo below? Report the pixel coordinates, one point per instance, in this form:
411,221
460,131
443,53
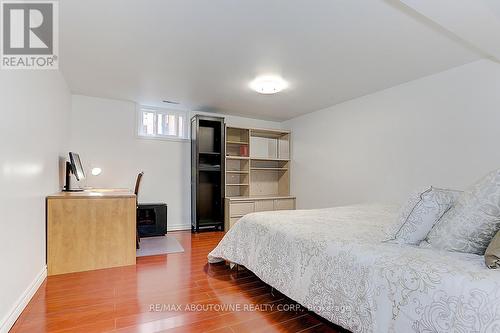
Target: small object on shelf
244,150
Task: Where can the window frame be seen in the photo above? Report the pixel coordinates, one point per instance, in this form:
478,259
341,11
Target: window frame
163,111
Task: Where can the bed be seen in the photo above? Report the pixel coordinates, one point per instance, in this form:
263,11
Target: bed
333,262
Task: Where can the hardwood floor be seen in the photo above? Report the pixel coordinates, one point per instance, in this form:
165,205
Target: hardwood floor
143,298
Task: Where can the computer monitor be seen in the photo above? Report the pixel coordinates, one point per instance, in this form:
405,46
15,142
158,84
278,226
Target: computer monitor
74,166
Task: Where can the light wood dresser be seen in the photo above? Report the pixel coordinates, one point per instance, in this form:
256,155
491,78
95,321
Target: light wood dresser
90,230
257,172
236,208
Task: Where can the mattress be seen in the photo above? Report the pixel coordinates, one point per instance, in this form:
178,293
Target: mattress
333,262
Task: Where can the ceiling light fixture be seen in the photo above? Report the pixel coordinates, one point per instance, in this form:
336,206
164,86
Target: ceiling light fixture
268,84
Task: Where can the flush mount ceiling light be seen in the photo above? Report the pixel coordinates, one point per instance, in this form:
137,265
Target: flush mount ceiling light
268,84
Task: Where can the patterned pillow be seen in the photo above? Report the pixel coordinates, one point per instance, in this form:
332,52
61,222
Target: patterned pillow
419,214
472,222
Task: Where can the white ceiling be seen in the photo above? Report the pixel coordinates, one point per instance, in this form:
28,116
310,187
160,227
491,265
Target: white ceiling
203,53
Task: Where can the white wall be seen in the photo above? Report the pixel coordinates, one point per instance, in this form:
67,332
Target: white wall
442,130
103,132
34,108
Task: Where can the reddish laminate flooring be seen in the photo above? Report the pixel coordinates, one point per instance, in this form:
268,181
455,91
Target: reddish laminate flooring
153,295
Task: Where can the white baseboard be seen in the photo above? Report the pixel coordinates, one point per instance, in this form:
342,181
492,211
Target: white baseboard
11,317
175,227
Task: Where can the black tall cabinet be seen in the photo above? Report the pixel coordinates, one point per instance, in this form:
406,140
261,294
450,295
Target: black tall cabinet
207,172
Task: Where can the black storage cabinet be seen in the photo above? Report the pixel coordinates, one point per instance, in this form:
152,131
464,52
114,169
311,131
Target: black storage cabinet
152,219
207,172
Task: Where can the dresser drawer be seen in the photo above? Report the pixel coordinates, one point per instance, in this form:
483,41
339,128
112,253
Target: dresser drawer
264,205
284,204
241,208
233,220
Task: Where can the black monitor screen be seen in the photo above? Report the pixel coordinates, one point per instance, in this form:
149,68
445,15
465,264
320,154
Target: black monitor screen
76,165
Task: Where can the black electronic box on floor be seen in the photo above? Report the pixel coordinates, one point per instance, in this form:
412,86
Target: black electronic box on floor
152,219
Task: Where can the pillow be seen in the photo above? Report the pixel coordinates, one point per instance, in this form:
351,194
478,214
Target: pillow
472,222
419,214
492,254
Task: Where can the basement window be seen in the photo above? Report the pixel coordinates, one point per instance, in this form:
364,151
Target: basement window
156,123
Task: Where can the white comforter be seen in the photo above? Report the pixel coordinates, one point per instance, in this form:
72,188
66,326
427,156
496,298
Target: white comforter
333,262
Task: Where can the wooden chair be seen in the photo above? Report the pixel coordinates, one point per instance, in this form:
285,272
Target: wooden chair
136,191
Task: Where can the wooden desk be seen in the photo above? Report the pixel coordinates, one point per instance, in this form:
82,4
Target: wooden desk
90,230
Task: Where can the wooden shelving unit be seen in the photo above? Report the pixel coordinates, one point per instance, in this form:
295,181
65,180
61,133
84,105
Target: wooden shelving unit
257,172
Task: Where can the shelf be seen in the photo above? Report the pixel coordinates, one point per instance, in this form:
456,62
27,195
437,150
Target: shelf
208,153
238,157
236,171
236,184
262,197
270,159
210,169
269,169
237,142
268,133
209,222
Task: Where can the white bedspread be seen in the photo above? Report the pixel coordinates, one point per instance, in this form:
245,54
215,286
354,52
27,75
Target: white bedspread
333,262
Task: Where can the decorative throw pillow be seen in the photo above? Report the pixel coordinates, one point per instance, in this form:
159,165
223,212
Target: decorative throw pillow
492,254
472,222
419,214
